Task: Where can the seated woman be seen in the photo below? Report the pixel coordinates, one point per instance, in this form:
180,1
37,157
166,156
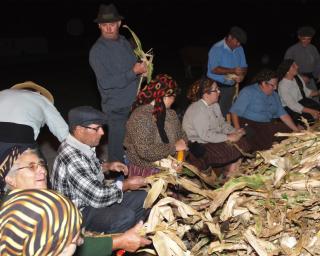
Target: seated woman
153,129
257,108
208,131
38,222
294,94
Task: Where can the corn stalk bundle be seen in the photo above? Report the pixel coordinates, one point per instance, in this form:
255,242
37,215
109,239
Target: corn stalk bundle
272,209
147,57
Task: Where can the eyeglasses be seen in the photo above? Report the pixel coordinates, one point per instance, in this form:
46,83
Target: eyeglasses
216,90
273,85
94,128
33,166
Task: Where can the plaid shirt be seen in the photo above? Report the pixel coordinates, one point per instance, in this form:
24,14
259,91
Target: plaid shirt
78,175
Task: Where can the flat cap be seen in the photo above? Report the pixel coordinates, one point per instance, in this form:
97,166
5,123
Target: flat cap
86,115
306,31
239,34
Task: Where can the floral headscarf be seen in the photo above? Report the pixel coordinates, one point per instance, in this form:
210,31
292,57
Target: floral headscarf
162,86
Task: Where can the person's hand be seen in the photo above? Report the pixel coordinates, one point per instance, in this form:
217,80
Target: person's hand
133,183
234,137
115,166
241,131
130,240
181,145
140,68
239,71
315,114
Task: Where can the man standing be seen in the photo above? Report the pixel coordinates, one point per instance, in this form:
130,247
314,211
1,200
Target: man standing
227,65
78,174
306,55
117,73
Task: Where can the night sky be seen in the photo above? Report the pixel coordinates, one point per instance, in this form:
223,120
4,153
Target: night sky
48,41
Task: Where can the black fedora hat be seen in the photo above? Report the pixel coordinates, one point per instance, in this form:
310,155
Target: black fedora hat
108,13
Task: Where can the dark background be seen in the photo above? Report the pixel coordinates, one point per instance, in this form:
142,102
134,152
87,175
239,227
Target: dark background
48,41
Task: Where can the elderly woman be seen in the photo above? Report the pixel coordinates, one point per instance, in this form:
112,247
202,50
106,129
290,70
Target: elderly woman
211,137
153,129
22,168
257,108
296,97
38,222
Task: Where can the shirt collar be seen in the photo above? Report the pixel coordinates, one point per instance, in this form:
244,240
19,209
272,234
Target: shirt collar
204,102
85,149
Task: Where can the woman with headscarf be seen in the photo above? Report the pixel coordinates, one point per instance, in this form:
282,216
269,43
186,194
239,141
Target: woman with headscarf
296,97
212,138
153,129
38,222
258,108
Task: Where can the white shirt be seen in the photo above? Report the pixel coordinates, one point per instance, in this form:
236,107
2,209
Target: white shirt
32,109
290,94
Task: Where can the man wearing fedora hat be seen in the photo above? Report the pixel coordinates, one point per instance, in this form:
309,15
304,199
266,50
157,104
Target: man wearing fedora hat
227,65
117,73
24,109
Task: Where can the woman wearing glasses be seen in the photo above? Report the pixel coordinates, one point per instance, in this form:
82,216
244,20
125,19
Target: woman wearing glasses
211,137
258,109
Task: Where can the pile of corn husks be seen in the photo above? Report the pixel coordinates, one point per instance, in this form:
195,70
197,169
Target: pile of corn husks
273,208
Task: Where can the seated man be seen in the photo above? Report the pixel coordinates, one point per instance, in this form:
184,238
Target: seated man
37,234
78,174
23,169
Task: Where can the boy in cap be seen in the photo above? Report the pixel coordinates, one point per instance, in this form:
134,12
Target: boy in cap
117,73
306,55
227,65
78,174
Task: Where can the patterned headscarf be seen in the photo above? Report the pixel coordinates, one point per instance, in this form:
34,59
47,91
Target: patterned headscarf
163,85
37,222
7,159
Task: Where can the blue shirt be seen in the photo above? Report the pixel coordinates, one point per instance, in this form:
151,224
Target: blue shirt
221,55
253,104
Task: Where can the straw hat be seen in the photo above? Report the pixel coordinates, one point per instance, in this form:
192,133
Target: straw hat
31,85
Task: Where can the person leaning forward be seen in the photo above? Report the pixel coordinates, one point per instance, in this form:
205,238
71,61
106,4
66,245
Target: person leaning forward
78,174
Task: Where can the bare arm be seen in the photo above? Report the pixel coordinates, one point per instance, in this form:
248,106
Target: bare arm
288,121
130,240
235,120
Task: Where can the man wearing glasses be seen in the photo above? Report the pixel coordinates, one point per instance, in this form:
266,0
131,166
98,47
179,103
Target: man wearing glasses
78,174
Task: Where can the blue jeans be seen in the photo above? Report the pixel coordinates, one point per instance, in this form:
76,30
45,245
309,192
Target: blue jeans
116,218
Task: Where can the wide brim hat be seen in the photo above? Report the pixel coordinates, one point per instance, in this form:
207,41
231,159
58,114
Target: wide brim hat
108,13
31,85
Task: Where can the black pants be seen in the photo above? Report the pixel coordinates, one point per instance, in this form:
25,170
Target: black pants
116,218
